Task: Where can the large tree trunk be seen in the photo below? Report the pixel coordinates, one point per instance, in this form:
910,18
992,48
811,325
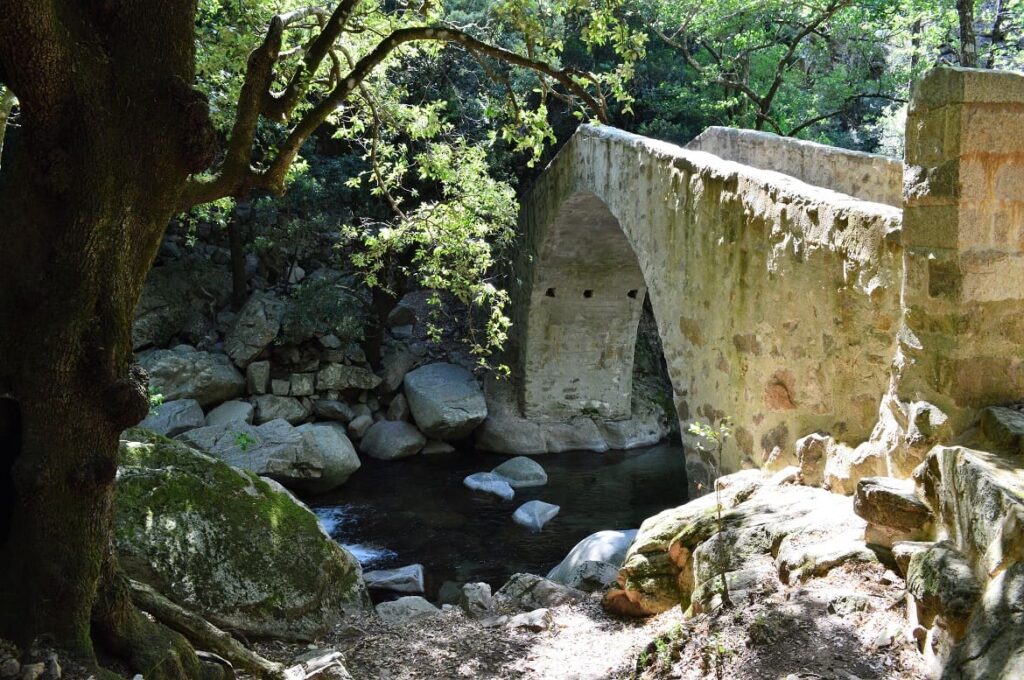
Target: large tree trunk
110,129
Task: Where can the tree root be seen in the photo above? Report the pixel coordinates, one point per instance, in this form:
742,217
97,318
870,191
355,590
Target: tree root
202,633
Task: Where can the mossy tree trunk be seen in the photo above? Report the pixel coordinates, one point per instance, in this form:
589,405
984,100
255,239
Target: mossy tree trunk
110,129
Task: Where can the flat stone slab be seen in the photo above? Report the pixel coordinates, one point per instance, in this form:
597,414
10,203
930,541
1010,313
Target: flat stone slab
535,514
892,503
405,609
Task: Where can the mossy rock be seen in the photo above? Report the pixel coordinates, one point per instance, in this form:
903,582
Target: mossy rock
232,546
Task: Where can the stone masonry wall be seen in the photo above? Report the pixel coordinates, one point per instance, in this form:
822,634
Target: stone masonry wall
866,176
777,301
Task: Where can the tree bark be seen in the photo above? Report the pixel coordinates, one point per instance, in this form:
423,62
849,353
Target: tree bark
110,130
968,42
7,100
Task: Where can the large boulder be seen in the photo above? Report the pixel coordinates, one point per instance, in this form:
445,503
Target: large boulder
186,373
942,583
993,648
391,440
604,546
274,449
892,509
174,417
446,401
339,457
227,544
255,327
510,434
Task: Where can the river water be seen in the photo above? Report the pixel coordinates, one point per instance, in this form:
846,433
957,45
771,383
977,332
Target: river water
416,510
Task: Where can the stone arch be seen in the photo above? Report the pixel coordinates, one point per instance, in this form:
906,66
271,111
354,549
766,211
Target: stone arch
586,299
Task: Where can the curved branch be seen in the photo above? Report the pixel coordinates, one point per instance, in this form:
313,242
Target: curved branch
279,106
238,176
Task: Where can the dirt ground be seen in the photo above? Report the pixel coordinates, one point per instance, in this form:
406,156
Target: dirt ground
848,625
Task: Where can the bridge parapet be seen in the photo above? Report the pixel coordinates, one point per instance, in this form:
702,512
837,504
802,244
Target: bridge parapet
867,176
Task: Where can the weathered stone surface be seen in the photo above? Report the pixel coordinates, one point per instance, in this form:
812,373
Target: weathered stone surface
405,609
536,621
360,425
603,546
579,434
811,454
398,360
235,548
340,461
522,472
274,449
255,327
231,412
488,482
398,409
1003,428
902,551
529,591
186,373
390,440
943,583
341,377
535,514
331,409
814,529
845,466
591,576
510,435
808,348
174,417
301,384
475,599
446,401
969,490
993,648
408,579
273,407
892,503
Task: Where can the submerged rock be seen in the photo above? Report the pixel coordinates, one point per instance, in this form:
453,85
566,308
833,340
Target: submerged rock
445,400
522,472
237,549
535,514
488,482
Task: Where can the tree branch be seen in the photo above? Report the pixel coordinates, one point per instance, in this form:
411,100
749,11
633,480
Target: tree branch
237,175
279,106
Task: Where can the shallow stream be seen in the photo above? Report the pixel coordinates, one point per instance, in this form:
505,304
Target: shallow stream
416,510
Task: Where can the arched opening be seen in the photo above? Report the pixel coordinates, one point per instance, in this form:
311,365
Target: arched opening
579,345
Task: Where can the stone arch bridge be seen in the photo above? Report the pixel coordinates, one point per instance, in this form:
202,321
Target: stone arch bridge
796,287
